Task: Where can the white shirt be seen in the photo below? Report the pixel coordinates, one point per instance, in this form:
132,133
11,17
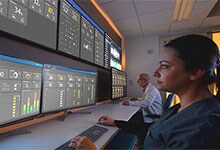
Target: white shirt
150,102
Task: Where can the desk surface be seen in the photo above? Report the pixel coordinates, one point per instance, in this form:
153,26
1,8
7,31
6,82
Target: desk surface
53,133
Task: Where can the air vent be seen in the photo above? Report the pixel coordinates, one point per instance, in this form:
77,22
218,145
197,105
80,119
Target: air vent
215,10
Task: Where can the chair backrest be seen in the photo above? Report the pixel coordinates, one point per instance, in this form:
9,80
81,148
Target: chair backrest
166,105
168,101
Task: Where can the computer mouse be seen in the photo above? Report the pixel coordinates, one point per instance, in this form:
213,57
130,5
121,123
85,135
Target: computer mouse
100,120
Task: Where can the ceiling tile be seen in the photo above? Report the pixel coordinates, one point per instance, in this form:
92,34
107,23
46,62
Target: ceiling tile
152,6
186,25
156,29
211,21
158,18
201,10
119,9
155,16
132,34
128,24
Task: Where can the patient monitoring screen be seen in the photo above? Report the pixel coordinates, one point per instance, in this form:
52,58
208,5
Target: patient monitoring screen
118,83
34,20
20,88
67,88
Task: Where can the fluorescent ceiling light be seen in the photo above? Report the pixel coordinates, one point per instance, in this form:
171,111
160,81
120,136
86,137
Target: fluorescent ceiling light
183,9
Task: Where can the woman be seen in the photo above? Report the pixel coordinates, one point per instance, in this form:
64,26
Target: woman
186,68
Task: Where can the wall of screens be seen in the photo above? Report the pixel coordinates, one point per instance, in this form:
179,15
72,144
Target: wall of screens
22,82
56,25
60,25
79,35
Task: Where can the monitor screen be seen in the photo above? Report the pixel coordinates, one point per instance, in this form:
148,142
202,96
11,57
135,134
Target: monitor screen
113,54
103,85
87,40
99,48
65,88
119,83
20,88
34,20
91,35
107,52
69,29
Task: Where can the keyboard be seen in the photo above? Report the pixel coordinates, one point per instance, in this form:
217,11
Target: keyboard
93,133
117,101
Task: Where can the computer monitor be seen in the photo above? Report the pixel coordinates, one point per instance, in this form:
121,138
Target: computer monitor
87,40
103,85
34,20
113,54
20,89
69,29
99,48
65,88
119,83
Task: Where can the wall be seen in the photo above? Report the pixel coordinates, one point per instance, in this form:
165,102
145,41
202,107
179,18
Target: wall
138,61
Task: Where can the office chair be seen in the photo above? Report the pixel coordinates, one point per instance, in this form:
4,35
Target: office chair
166,105
168,101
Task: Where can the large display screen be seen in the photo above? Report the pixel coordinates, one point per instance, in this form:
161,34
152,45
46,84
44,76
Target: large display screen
113,54
20,88
65,88
99,48
119,83
87,40
91,36
34,20
69,29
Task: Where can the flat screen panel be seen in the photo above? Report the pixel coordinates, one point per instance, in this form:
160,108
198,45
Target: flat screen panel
99,48
87,40
113,54
34,20
65,88
103,85
116,55
69,29
119,83
20,88
107,52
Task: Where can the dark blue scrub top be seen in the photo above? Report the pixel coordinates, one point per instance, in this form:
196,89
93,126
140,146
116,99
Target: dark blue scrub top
195,127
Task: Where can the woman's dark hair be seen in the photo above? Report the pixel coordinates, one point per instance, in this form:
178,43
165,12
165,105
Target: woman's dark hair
198,52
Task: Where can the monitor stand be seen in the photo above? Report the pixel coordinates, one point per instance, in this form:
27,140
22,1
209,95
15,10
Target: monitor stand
14,133
62,118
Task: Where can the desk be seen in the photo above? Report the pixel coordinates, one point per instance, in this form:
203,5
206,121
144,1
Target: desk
53,133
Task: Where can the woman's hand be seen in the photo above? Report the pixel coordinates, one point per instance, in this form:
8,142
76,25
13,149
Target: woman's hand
82,143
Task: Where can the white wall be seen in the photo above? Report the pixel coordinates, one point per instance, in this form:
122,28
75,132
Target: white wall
138,61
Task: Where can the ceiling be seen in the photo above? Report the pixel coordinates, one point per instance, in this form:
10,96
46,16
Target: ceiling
138,18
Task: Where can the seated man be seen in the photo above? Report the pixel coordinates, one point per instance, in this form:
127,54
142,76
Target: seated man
150,103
